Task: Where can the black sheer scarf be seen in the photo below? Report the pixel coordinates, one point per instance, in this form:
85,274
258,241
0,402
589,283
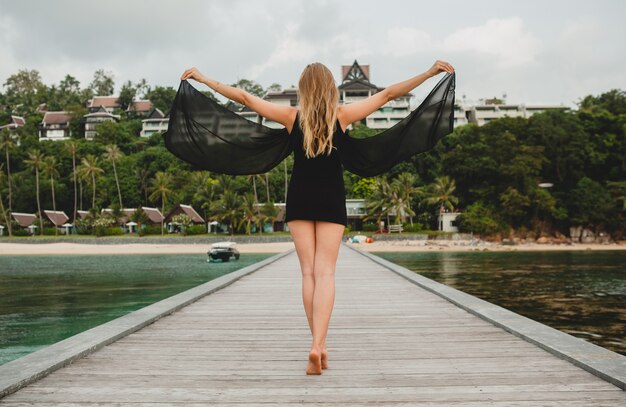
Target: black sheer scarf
210,137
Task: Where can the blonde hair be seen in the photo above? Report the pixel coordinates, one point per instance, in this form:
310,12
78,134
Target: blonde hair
318,98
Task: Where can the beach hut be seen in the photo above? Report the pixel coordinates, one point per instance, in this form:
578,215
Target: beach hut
182,209
57,218
154,214
25,220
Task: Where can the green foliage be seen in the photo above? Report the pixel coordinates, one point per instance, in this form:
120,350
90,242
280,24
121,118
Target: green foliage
416,227
489,173
591,204
479,218
369,227
150,230
20,232
50,231
109,231
195,230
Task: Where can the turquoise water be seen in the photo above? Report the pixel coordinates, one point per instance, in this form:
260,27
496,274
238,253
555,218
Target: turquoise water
582,293
44,299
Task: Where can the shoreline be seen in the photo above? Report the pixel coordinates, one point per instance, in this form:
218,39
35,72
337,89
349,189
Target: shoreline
65,248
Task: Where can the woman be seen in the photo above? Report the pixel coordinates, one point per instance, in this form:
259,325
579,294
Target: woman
315,207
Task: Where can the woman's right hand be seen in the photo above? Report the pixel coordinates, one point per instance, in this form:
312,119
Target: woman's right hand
193,73
440,66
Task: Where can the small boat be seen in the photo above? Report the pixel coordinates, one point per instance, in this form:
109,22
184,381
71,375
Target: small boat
223,251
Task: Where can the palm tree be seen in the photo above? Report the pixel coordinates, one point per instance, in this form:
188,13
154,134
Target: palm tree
8,144
35,161
440,192
379,203
4,213
72,147
113,153
405,186
161,189
90,170
142,176
250,212
50,169
204,190
228,208
253,178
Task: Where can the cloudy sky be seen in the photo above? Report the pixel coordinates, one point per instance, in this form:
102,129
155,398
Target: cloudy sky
533,51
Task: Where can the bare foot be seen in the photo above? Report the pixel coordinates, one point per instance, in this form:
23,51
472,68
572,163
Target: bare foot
315,362
324,358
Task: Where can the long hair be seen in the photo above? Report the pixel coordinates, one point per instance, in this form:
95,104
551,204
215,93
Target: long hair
318,98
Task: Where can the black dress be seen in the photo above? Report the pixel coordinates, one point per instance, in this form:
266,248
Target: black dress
316,189
211,137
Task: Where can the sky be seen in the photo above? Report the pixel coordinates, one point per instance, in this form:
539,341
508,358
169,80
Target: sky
536,52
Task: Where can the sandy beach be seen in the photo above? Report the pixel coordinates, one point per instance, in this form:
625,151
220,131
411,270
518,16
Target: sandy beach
9,249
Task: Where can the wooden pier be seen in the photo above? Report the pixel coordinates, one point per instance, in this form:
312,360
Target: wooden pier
391,342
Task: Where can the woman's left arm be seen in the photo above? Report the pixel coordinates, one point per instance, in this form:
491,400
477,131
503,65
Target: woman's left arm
236,94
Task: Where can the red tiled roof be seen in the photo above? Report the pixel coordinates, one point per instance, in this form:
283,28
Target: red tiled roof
82,214
187,210
56,118
106,101
58,218
153,213
140,106
24,219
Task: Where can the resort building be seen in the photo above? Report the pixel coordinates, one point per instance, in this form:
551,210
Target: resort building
14,123
447,221
356,211
55,126
59,219
155,122
486,110
178,210
25,220
154,215
139,108
91,120
109,103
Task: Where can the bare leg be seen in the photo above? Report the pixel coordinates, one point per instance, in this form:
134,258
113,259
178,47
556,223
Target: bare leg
303,235
327,240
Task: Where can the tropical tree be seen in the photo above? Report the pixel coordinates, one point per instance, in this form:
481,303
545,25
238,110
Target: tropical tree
162,189
2,210
404,187
250,213
205,191
143,176
35,162
50,170
379,203
90,170
269,212
71,147
228,208
8,144
440,192
113,153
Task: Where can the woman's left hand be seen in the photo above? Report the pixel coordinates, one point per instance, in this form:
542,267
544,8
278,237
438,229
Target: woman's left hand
193,73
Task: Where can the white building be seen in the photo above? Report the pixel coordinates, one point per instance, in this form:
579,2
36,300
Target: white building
486,110
55,126
154,123
447,221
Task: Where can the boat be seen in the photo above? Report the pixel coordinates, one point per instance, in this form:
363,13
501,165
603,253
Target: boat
223,251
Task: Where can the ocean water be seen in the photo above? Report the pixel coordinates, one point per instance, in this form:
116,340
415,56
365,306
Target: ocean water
44,299
582,293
